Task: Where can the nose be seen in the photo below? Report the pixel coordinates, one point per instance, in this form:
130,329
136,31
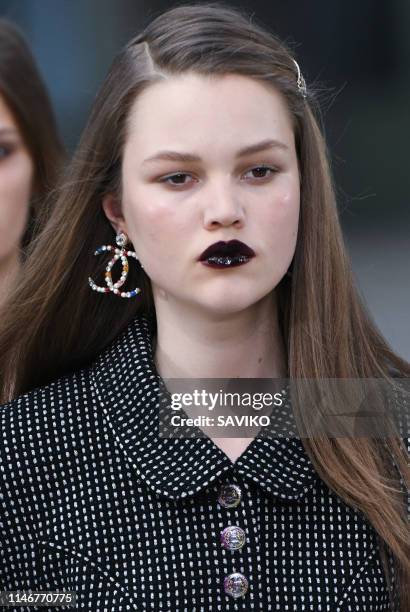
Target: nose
223,208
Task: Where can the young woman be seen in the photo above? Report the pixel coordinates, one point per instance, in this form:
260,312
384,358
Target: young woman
203,133
30,151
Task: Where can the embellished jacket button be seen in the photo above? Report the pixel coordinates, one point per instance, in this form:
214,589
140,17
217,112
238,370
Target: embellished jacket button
230,496
236,585
233,537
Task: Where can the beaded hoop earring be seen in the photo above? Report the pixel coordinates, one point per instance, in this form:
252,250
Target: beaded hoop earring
119,253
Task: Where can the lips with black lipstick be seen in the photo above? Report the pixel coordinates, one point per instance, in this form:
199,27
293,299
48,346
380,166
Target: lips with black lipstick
226,254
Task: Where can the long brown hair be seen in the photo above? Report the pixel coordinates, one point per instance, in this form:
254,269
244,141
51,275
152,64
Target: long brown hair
55,324
25,94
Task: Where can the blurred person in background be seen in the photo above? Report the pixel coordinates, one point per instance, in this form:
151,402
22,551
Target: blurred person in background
30,152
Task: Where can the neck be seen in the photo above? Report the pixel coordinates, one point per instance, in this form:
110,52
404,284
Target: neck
9,268
246,344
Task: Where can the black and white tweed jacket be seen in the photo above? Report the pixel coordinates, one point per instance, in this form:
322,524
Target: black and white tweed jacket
93,501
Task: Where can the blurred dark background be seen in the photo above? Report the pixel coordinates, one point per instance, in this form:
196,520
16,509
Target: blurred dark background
359,51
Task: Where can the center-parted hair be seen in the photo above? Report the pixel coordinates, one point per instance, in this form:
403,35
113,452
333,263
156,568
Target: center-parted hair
54,323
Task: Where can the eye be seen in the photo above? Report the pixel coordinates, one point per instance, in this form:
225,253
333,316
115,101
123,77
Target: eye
262,169
5,151
173,176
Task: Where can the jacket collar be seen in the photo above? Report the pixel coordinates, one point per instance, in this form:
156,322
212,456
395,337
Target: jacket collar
127,388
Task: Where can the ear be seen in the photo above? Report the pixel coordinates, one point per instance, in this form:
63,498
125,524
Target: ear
113,211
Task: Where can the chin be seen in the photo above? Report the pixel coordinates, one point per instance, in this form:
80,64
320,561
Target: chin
227,306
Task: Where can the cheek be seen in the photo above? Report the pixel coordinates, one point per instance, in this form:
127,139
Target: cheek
155,225
15,190
282,217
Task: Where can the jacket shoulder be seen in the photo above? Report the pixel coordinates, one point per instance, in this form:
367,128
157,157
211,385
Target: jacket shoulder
36,417
60,389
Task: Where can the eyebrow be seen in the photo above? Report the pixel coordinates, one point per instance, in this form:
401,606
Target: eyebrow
4,131
264,145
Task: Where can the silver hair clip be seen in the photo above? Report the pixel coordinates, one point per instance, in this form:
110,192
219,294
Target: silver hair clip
301,81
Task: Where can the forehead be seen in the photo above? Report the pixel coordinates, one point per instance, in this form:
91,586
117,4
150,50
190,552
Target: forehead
199,111
6,117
